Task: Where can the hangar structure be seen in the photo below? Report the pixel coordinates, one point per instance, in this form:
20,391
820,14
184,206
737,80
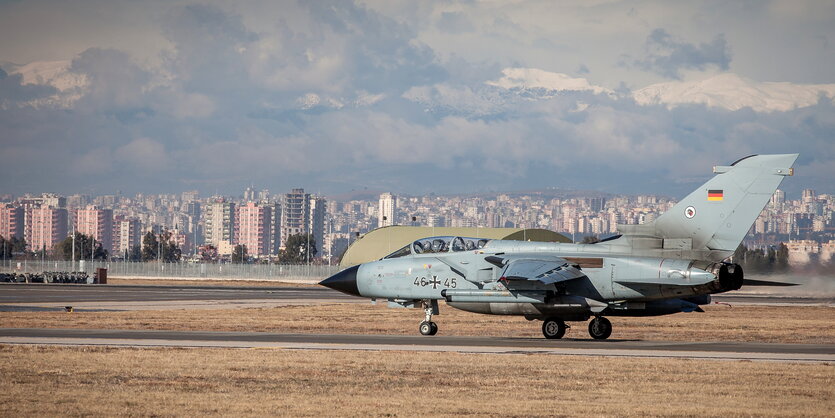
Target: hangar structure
380,242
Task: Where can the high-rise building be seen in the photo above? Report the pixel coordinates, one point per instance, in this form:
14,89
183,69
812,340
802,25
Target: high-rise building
295,214
253,228
386,210
45,226
127,233
192,209
317,222
11,221
435,220
45,199
190,196
78,200
778,198
597,204
264,195
219,223
275,227
249,194
97,223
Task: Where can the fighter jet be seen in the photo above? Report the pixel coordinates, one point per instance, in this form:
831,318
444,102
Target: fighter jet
670,265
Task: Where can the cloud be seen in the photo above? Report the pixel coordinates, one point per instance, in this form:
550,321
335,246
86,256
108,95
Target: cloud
668,56
114,82
14,92
333,96
454,22
144,155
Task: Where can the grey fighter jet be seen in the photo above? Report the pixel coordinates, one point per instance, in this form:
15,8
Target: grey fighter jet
670,265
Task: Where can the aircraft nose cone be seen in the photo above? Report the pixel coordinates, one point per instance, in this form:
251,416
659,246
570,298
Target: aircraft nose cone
345,281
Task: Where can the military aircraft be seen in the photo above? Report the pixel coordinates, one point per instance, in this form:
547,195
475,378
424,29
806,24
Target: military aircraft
670,265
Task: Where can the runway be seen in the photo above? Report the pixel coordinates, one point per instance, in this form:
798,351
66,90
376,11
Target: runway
491,345
45,297
18,297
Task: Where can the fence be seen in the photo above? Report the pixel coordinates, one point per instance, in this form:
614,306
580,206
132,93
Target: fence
278,272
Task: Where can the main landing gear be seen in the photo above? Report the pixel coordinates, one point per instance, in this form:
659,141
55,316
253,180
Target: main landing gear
427,327
600,328
554,328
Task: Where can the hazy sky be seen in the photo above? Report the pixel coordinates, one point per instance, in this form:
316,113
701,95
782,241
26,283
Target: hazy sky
410,97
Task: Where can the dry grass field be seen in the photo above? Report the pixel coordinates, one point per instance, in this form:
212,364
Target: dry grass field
102,381
789,324
52,381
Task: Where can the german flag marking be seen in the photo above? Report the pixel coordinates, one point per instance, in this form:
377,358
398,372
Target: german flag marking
715,195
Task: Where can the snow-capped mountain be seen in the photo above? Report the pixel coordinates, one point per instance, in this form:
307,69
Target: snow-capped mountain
733,92
534,78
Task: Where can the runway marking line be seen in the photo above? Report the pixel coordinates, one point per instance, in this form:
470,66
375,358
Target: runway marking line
703,355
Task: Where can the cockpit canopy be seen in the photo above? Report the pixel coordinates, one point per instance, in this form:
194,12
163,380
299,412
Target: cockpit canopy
440,245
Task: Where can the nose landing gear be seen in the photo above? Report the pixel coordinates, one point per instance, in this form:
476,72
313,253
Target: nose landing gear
427,327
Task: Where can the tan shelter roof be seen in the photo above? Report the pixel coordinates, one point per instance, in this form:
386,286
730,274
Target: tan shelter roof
384,241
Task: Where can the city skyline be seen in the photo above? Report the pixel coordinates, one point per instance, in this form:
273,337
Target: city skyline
373,194
263,221
445,97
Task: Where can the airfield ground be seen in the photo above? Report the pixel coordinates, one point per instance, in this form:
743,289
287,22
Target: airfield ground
86,380
39,380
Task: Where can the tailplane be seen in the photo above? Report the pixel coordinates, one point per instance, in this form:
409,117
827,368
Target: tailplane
716,216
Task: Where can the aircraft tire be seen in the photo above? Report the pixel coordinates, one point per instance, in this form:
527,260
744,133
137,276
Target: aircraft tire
553,328
426,328
600,328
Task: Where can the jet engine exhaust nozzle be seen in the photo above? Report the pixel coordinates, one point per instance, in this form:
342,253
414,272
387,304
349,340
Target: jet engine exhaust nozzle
345,281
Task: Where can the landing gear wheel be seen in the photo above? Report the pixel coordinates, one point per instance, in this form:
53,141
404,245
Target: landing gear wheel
553,328
428,328
600,328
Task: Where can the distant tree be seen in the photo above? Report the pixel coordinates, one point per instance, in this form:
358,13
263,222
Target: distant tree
41,253
171,252
160,248
150,247
18,245
296,249
590,239
207,253
135,254
782,257
5,248
239,254
10,247
85,245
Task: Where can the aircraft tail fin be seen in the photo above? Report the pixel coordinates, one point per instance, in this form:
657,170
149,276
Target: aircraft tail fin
717,215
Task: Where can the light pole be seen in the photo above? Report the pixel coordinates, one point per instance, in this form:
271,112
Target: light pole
73,248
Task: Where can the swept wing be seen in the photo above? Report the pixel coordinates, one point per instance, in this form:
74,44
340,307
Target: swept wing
544,269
